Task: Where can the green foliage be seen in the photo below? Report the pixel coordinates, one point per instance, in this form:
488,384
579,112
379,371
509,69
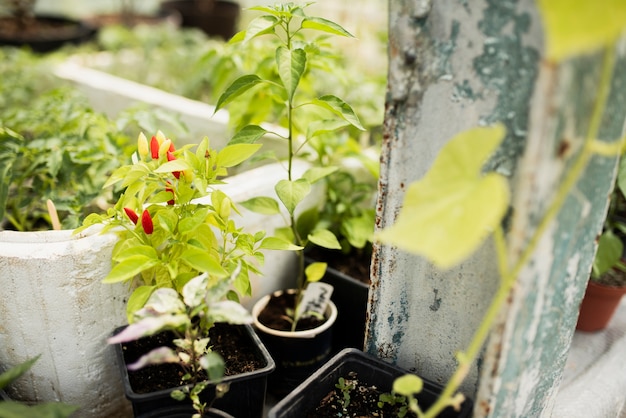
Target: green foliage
345,386
12,409
174,222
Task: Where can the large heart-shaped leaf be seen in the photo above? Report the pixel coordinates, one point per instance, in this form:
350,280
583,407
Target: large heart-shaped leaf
291,193
454,207
576,27
291,64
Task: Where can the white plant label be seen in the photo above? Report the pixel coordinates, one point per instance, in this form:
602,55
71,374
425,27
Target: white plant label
315,298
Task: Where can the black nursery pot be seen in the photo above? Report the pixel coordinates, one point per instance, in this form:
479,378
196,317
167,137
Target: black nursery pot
184,412
371,370
244,399
67,31
297,354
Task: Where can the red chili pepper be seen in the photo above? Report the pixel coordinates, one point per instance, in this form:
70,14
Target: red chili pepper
172,148
170,157
169,189
131,215
154,148
146,222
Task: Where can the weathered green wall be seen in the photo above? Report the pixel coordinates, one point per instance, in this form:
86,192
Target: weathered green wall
455,65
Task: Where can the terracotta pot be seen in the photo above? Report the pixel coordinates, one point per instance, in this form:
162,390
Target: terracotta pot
598,306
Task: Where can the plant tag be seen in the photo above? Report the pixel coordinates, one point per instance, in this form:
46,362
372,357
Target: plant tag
315,299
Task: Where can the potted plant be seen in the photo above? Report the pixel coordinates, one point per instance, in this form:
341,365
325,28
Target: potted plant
185,321
290,337
607,283
354,383
173,224
20,25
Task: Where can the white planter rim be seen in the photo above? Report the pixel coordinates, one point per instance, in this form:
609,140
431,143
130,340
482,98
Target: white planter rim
331,317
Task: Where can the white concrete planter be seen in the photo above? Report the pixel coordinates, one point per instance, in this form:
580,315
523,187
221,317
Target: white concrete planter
54,305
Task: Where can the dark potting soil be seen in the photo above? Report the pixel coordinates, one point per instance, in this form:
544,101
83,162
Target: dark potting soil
363,402
355,264
614,277
231,342
273,315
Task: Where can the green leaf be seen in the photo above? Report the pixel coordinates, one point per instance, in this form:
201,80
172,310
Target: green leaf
291,193
359,230
339,108
320,127
231,155
171,166
324,238
263,205
275,243
130,267
314,272
260,26
324,25
608,254
291,65
453,208
248,135
237,88
574,27
15,372
317,173
137,300
408,385
202,261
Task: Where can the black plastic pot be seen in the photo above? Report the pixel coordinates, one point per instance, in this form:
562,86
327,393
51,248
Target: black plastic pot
297,354
369,369
350,296
214,17
184,412
69,32
244,399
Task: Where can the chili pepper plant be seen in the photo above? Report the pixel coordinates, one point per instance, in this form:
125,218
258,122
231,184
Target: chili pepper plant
304,117
174,223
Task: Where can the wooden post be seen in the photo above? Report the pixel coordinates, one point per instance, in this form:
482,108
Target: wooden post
456,65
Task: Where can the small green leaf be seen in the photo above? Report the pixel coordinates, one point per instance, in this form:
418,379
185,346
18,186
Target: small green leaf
263,205
408,385
291,65
202,261
575,27
317,173
339,108
171,166
320,127
291,193
275,243
608,254
260,26
453,208
137,300
15,372
248,135
237,88
324,238
231,155
315,271
130,267
324,25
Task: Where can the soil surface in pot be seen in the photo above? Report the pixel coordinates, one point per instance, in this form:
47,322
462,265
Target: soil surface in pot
273,315
355,264
363,402
614,277
231,342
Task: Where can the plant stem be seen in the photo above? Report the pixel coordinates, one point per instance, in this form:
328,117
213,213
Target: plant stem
508,276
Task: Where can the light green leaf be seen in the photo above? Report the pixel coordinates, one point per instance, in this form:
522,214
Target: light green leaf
275,243
453,208
237,88
315,271
324,238
317,173
231,155
202,261
320,127
291,65
291,193
248,135
575,27
408,385
171,166
324,25
137,300
130,267
608,254
263,205
16,371
339,108
260,26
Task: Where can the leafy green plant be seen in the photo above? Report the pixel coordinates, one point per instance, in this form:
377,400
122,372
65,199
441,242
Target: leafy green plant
168,233
345,386
304,117
189,315
456,180
10,409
